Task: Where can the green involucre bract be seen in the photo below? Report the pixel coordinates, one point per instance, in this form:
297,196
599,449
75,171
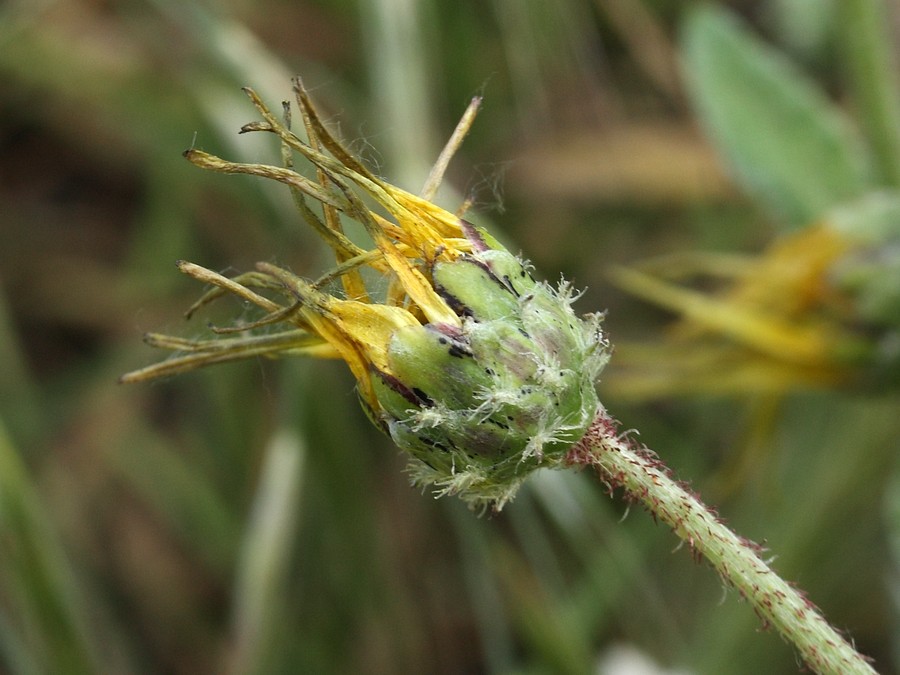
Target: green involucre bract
478,407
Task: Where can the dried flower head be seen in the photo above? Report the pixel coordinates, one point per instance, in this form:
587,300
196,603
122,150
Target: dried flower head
818,308
477,371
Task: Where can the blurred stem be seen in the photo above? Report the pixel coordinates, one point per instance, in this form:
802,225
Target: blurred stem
647,43
262,572
872,72
645,479
397,42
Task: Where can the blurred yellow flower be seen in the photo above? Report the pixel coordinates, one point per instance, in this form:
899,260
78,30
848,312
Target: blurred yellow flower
784,320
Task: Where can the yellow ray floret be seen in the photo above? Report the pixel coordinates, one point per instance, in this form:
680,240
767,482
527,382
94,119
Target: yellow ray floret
778,322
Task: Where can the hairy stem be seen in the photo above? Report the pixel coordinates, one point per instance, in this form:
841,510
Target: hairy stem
646,480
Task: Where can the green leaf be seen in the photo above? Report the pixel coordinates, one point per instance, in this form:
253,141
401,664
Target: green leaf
786,144
870,62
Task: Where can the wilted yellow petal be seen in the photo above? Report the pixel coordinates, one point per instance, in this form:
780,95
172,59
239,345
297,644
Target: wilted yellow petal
768,334
359,331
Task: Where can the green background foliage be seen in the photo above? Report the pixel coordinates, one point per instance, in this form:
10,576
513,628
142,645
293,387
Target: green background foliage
247,518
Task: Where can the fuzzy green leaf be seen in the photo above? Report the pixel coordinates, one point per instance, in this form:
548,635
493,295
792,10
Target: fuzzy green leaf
786,144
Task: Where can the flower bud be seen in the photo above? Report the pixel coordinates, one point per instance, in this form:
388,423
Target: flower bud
478,406
870,269
869,274
477,371
818,308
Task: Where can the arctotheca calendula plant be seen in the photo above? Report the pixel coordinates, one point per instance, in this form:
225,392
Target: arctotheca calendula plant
479,373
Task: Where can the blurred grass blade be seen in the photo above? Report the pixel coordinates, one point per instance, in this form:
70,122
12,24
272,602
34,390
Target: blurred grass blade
786,143
872,68
19,396
262,573
186,500
42,619
399,48
492,621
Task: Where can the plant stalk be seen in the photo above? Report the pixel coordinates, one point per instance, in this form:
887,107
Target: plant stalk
645,479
